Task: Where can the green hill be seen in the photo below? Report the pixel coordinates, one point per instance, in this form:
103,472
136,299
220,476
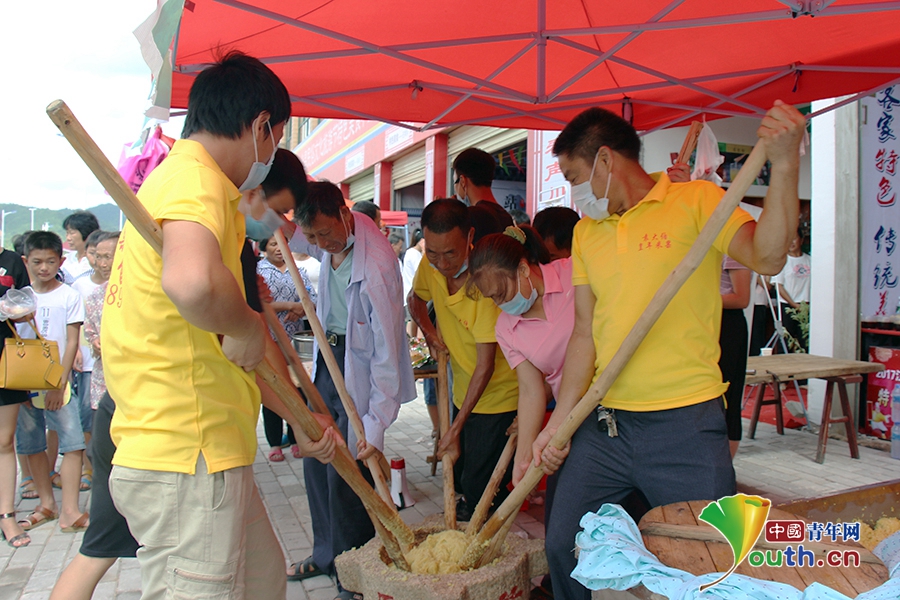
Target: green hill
20,222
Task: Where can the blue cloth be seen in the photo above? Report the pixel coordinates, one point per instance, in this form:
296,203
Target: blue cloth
613,556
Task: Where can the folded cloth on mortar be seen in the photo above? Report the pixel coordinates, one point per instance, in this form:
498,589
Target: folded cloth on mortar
612,556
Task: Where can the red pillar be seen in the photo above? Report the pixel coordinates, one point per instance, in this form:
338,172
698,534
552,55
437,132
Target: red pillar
383,191
345,190
435,167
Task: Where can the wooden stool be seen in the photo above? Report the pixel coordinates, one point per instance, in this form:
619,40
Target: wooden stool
761,401
847,419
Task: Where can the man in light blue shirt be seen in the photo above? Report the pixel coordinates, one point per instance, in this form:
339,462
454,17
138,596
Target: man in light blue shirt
361,307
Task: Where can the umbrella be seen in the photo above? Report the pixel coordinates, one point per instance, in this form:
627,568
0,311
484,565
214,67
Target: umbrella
535,64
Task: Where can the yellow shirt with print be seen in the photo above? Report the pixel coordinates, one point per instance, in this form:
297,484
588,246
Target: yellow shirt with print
465,322
176,394
625,260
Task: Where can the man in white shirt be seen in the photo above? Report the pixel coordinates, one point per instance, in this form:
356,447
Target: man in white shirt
793,285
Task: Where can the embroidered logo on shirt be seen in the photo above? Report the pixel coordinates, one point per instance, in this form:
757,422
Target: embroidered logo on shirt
654,241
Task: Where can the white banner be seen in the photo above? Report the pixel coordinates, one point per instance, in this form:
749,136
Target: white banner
552,187
880,204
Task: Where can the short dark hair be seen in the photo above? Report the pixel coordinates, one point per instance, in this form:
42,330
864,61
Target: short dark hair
557,223
503,251
93,239
596,127
322,197
484,221
19,242
263,243
43,240
105,236
228,95
287,173
416,237
366,207
520,217
477,165
82,221
445,215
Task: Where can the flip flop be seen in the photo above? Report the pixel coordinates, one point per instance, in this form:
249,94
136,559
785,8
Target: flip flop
26,489
295,450
87,481
39,516
304,570
276,455
80,524
22,537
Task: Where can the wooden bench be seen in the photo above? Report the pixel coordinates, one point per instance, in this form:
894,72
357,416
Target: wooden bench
779,368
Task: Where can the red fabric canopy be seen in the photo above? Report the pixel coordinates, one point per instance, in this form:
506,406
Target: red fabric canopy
537,63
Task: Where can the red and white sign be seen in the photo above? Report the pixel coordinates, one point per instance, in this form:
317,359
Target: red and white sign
552,187
878,394
785,532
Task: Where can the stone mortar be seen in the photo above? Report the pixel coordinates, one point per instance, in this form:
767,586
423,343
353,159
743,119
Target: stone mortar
366,570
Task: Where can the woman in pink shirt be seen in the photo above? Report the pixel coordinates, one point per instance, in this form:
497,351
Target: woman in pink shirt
538,303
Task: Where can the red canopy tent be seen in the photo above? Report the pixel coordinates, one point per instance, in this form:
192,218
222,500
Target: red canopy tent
535,64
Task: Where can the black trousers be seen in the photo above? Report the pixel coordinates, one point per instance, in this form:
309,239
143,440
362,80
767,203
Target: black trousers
274,427
107,536
339,519
733,364
481,444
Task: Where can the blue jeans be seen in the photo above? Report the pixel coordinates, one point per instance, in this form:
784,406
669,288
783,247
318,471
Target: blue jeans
83,386
31,428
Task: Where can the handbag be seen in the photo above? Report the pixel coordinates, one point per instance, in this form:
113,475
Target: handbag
30,364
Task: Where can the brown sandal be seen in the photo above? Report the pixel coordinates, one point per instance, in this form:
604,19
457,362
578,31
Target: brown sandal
39,516
80,524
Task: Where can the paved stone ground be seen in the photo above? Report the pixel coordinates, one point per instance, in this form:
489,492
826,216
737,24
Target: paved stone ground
779,467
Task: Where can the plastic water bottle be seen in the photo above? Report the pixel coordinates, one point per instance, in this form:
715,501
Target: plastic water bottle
895,417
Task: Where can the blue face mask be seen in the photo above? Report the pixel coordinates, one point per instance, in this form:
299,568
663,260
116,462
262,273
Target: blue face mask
520,304
463,268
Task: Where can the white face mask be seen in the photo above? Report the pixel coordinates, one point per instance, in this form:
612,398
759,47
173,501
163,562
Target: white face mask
258,170
584,198
351,239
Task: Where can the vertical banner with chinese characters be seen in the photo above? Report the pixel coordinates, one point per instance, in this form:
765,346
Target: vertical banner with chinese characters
879,204
552,187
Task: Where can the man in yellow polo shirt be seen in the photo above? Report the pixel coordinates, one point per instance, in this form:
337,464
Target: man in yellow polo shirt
661,433
485,389
187,407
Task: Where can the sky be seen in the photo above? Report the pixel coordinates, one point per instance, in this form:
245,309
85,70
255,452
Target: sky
85,54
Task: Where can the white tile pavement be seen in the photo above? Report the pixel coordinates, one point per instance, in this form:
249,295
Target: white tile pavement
779,467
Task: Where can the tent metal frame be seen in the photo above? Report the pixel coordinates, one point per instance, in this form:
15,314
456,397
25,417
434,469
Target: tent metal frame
486,91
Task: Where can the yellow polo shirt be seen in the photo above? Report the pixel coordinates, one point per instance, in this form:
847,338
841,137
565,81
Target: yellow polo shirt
465,322
176,394
625,260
